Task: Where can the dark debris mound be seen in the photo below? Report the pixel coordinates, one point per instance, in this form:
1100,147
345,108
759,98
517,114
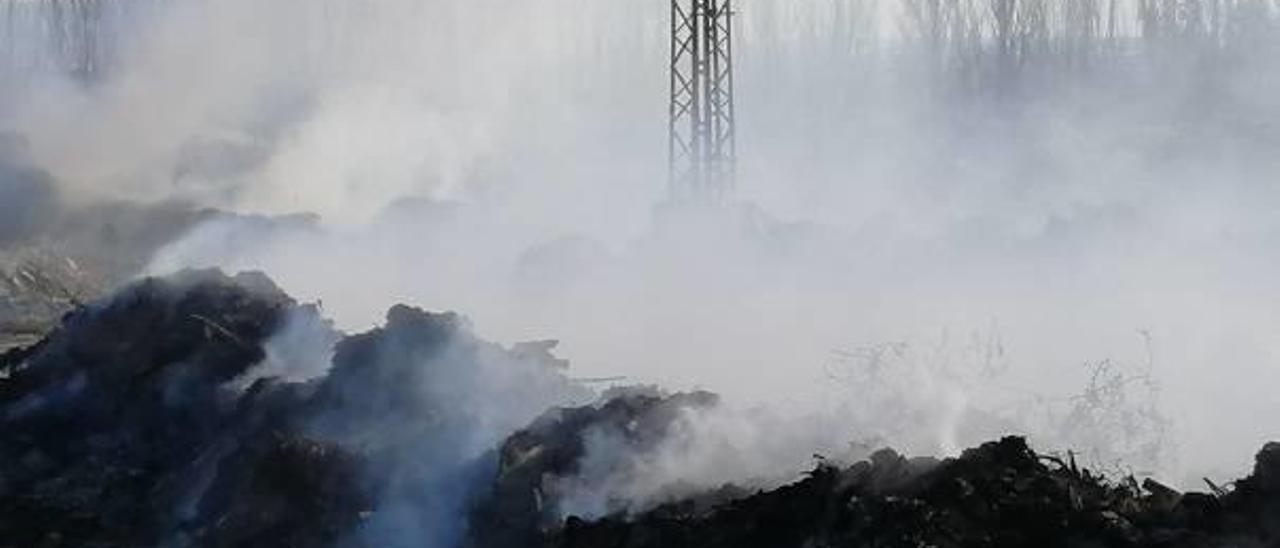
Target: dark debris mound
1001,494
167,416
521,505
122,426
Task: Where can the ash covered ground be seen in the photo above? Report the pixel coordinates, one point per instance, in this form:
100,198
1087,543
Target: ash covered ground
215,410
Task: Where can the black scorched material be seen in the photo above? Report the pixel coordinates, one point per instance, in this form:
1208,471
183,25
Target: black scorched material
1001,494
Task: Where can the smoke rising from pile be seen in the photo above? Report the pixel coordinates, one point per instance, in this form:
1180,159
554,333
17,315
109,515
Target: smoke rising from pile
1005,178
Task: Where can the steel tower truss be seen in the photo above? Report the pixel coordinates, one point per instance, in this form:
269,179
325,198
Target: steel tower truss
701,143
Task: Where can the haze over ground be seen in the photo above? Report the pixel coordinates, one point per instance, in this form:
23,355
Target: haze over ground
1009,205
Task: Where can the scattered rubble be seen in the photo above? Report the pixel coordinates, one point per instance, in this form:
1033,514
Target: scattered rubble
56,254
36,289
76,260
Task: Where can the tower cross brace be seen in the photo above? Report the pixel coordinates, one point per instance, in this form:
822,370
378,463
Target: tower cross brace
701,145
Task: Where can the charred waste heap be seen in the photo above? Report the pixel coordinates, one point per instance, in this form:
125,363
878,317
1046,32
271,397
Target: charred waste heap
183,411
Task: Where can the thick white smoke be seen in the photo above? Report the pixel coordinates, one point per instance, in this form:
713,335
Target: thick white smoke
919,175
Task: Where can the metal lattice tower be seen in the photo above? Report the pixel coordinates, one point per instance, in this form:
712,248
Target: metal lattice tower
701,143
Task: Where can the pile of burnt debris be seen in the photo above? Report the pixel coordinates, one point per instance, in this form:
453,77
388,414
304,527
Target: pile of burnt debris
172,414
999,494
116,422
167,415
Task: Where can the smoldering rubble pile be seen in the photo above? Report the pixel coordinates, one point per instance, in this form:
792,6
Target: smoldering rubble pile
998,494
116,422
173,414
131,424
520,506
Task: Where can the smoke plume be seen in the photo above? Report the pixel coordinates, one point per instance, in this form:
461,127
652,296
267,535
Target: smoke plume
1008,192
